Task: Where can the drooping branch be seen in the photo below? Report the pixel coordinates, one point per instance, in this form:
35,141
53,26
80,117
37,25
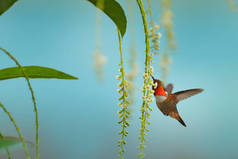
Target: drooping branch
123,102
33,99
146,90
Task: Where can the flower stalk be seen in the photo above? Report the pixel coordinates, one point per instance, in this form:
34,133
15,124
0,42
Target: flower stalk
17,130
123,102
33,100
146,90
167,23
154,34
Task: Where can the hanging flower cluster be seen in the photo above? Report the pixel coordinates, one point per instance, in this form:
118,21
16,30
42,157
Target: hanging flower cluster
123,113
155,39
99,62
145,108
123,103
154,34
147,93
167,23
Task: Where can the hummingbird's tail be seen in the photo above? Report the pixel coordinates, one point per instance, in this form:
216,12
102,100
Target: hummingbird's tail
181,120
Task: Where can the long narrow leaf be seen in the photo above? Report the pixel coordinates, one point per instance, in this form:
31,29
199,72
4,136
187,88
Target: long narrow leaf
114,10
9,142
34,72
5,5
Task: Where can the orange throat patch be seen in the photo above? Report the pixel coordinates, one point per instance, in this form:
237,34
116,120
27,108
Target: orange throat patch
160,91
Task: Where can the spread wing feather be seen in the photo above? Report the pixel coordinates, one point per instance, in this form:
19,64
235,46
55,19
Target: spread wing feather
181,95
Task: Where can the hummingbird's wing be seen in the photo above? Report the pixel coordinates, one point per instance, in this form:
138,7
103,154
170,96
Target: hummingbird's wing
169,88
181,95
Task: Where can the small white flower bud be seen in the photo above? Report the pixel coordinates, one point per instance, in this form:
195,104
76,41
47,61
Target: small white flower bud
156,27
118,78
146,76
159,35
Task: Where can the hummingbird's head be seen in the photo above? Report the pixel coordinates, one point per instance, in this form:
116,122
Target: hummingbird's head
157,82
159,89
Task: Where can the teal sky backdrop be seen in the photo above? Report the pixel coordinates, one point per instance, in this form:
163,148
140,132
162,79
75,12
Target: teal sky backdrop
78,119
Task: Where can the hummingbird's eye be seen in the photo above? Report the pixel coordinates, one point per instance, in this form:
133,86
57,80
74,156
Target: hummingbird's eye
155,84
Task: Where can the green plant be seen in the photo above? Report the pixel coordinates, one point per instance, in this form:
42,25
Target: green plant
4,146
147,93
113,10
170,46
42,72
17,130
116,13
155,37
123,113
152,41
29,72
21,72
9,142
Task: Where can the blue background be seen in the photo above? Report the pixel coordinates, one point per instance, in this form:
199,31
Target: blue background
78,119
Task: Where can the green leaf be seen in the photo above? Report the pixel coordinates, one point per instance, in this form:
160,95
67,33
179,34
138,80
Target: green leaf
5,5
34,72
8,142
114,10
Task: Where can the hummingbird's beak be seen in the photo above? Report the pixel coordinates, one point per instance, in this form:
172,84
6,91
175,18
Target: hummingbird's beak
152,77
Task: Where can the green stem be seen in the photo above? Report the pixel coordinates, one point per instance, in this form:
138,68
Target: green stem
146,30
33,99
8,154
124,113
17,129
146,91
150,12
121,55
154,37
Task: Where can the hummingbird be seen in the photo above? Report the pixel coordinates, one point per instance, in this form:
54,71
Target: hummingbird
167,101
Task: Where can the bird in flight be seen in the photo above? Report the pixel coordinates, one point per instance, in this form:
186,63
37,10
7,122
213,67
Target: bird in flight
167,101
